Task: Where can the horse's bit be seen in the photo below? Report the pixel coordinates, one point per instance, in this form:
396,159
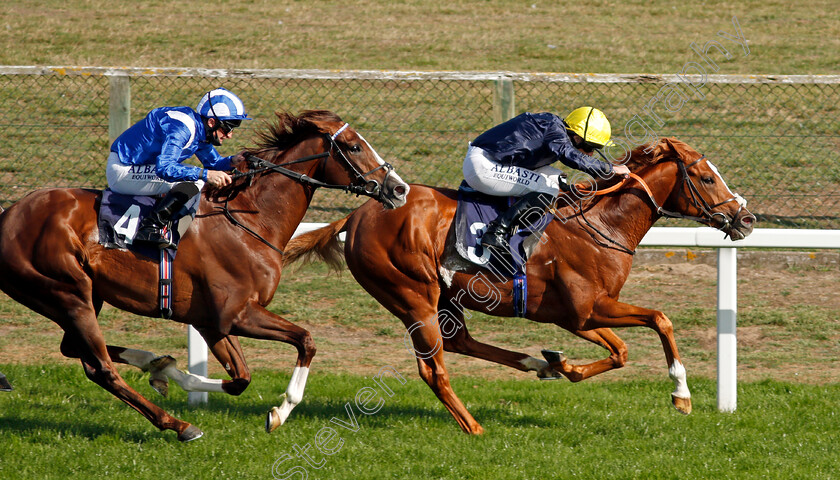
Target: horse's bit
697,201
360,185
718,220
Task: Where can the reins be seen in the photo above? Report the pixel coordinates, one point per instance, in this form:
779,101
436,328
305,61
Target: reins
697,201
605,191
226,211
365,187
264,166
270,166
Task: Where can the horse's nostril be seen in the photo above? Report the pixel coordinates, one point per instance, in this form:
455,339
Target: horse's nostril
400,190
748,220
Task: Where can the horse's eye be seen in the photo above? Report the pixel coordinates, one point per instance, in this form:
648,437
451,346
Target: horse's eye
355,148
709,180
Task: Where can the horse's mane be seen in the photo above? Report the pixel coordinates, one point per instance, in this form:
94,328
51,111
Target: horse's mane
289,129
654,152
645,155
284,133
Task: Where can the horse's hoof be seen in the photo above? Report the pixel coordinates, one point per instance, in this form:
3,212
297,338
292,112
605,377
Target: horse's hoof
5,386
683,405
160,385
189,434
553,356
549,373
158,379
475,430
273,420
161,362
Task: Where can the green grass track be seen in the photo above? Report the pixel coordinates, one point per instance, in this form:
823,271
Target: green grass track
57,424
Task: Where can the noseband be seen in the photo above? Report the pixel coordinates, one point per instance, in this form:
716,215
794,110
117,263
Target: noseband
360,184
718,220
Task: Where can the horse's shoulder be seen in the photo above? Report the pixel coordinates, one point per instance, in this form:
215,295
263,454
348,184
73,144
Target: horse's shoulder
445,200
421,190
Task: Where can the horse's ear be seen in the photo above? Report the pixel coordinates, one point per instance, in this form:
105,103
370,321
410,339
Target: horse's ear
680,149
238,160
666,147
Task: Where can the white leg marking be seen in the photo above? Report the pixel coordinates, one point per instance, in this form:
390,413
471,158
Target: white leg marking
532,363
677,374
191,382
294,392
542,367
138,358
293,395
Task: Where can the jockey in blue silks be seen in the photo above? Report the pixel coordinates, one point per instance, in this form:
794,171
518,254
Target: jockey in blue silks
147,159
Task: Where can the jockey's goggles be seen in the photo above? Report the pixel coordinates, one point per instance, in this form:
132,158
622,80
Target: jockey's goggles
587,146
228,125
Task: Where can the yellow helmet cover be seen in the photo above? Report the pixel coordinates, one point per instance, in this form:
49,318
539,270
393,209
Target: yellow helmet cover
591,125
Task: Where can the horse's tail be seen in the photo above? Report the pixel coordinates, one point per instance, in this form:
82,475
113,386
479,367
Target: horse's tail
323,243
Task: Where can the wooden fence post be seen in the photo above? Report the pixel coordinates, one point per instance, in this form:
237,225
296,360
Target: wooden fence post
504,101
119,118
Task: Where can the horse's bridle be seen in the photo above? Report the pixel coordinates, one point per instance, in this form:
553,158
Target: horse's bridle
718,220
359,185
697,201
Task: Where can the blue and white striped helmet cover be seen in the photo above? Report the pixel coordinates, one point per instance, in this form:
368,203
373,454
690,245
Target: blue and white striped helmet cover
221,104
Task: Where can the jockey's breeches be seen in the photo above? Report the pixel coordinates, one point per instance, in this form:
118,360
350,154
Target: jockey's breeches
137,179
487,176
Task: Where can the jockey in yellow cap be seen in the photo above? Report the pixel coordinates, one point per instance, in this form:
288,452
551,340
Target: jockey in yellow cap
514,159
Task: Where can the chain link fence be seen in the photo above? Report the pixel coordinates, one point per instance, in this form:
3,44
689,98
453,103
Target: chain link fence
775,139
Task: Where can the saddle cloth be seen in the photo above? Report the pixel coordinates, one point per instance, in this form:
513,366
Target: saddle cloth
120,216
475,211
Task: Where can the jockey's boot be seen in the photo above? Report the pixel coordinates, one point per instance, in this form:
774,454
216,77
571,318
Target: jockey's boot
149,232
500,230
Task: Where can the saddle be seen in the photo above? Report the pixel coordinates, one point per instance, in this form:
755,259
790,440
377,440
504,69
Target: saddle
474,212
119,218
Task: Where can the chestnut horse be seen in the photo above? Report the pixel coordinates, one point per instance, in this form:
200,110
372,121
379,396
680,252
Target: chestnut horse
226,271
405,259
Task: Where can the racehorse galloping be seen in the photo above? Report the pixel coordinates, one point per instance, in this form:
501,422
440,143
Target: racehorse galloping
405,259
51,261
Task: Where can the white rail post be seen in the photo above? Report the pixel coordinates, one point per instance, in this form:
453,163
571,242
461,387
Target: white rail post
727,347
198,362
